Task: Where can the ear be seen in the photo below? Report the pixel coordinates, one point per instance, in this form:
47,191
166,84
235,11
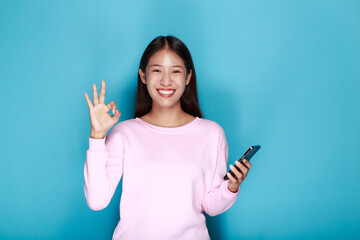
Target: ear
188,77
142,76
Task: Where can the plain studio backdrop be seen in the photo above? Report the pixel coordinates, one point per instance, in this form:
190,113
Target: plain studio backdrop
282,74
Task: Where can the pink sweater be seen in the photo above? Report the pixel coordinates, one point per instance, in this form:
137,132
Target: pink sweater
170,176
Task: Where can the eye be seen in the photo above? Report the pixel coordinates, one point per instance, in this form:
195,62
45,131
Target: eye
176,71
156,70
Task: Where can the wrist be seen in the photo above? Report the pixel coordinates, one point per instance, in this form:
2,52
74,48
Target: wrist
97,135
232,190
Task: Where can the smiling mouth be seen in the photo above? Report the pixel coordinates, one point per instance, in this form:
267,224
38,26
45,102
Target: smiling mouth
165,93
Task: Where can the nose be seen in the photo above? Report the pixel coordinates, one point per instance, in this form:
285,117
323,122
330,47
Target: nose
166,79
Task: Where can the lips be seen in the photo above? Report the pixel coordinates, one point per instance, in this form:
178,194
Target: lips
166,92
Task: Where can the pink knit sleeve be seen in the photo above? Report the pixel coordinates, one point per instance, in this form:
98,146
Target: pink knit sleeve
219,198
103,169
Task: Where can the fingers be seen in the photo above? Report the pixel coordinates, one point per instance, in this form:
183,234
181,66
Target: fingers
116,116
247,163
95,96
112,105
102,92
244,169
242,174
239,176
231,178
88,101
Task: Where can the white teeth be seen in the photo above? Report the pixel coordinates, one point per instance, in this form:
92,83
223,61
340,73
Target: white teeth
166,92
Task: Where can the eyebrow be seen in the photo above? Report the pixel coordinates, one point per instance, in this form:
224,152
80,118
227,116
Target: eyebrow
158,65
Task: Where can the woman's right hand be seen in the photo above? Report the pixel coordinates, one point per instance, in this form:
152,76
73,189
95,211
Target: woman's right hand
101,120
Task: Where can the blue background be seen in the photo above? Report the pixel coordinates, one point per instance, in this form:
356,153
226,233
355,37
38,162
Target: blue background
282,74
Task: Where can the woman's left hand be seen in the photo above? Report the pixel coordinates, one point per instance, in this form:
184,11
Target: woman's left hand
234,184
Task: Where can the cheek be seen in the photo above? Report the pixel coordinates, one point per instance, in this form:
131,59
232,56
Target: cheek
151,78
152,83
180,80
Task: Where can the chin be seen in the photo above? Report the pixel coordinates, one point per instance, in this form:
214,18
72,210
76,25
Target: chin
166,104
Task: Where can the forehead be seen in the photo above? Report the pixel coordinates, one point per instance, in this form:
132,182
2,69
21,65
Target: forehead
166,57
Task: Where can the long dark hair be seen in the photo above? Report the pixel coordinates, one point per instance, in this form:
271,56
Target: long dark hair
189,99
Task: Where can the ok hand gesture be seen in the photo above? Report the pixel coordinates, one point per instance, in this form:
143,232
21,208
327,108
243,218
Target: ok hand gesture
101,120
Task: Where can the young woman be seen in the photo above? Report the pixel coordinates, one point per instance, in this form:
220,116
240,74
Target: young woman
171,159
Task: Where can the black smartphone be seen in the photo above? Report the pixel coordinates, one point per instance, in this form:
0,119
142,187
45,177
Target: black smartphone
247,155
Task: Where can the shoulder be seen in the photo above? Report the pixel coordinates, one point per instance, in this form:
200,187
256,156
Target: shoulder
215,131
125,124
211,125
121,128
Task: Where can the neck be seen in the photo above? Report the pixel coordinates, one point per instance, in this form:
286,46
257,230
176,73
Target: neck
168,117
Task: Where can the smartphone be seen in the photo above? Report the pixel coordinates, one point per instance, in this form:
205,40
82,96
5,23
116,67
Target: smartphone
247,155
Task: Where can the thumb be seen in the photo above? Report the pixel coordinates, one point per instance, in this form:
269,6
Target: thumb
111,105
116,115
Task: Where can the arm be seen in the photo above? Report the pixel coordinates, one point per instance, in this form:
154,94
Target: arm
103,169
219,198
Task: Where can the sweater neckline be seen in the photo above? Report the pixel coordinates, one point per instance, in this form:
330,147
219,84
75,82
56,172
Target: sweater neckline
168,129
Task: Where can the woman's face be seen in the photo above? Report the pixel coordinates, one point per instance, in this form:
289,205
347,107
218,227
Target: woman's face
165,78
